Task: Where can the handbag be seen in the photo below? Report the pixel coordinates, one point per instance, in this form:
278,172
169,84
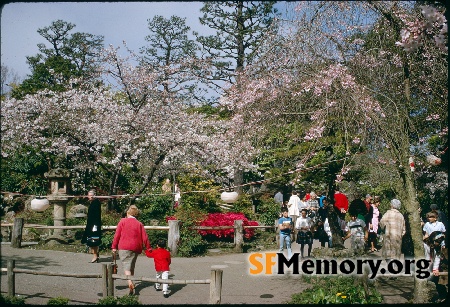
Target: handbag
93,241
304,237
114,264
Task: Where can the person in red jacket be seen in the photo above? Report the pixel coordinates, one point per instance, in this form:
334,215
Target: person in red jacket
341,207
340,203
129,239
161,257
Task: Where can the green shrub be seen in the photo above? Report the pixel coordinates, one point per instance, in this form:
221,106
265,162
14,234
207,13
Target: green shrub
109,300
58,301
269,211
11,300
195,181
34,234
191,243
128,300
73,221
110,218
155,235
244,205
107,238
154,207
124,300
335,290
34,217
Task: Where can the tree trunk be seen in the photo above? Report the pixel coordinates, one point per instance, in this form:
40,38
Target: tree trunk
238,180
336,238
422,293
112,202
150,174
239,173
240,37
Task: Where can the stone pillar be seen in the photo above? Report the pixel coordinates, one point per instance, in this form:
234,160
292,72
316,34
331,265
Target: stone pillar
173,236
59,188
59,216
238,235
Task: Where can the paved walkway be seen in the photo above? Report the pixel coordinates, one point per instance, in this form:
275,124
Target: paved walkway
238,287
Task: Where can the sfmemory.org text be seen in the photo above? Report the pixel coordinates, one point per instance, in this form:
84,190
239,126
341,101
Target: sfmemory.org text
275,263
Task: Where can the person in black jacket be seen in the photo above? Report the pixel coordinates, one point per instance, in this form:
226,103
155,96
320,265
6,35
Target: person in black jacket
93,232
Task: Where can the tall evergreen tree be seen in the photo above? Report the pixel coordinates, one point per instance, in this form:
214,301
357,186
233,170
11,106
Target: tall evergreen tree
8,78
173,55
240,27
68,56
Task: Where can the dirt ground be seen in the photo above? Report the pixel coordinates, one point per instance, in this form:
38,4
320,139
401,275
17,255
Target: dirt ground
239,287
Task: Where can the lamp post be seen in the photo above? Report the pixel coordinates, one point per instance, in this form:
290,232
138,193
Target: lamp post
229,197
39,204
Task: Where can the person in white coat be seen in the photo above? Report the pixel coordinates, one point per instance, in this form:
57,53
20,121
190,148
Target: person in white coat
177,197
293,205
429,227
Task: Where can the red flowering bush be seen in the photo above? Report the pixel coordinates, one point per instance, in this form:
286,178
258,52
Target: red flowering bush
227,219
168,218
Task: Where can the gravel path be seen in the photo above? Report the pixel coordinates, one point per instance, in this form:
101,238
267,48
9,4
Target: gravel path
238,287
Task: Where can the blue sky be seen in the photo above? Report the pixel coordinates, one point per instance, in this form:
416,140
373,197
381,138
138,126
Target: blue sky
116,21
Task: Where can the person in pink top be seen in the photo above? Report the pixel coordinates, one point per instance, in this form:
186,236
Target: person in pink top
129,240
373,219
161,257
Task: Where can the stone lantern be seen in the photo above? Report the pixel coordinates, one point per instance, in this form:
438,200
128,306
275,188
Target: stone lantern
78,211
59,188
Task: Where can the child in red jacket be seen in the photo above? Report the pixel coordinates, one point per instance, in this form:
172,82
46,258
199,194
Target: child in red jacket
161,257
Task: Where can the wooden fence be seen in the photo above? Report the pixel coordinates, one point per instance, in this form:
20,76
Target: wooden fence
173,229
215,282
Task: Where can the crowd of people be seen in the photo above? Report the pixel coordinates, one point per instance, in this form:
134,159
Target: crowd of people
304,218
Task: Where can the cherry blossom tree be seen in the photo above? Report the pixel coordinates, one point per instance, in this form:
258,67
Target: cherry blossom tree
350,70
129,123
